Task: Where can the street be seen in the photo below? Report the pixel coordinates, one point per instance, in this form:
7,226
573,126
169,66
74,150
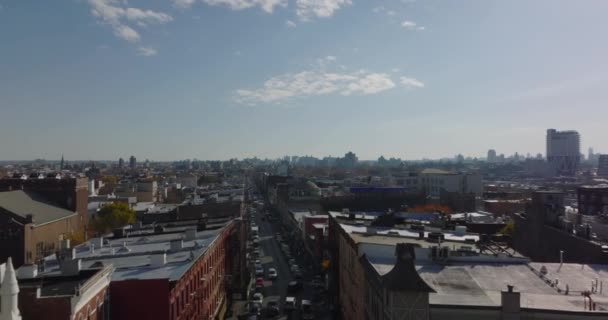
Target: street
272,256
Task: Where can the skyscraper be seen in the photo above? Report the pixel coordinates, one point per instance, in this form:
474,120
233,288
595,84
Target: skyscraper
132,162
121,163
563,151
602,165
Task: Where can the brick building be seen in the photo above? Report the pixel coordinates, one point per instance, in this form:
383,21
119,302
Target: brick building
78,295
593,200
31,227
426,273
166,272
67,193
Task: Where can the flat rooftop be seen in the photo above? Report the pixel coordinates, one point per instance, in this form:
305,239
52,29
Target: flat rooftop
481,284
397,235
131,257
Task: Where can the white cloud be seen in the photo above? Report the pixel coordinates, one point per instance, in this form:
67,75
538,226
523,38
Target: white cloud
408,24
411,25
290,24
370,84
382,9
183,4
146,51
127,33
319,82
115,14
411,83
147,16
306,9
378,9
266,5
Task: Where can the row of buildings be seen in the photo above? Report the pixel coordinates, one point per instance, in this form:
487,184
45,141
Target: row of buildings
183,263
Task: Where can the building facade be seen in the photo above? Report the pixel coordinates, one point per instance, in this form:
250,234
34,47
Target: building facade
563,151
31,228
593,200
602,165
83,295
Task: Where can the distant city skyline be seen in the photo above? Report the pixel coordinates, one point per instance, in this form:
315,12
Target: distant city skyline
166,80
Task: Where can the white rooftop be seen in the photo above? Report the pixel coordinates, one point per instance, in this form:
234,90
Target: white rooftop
134,262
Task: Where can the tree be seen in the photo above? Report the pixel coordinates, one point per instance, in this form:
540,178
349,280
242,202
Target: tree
113,215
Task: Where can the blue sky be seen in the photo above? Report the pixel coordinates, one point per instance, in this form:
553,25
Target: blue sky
214,79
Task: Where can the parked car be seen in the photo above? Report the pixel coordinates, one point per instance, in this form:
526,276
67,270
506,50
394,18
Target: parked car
272,273
255,308
259,272
306,307
259,283
258,298
297,274
294,268
290,303
293,286
272,309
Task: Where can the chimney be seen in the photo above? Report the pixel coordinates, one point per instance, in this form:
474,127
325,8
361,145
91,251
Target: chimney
27,271
158,260
98,242
92,248
29,218
65,244
511,305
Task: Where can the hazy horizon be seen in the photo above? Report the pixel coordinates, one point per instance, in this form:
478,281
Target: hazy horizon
219,79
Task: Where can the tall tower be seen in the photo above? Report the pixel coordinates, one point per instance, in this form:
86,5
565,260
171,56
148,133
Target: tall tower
61,166
563,151
132,162
9,294
491,155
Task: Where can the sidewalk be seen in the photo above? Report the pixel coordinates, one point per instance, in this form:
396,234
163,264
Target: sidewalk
237,308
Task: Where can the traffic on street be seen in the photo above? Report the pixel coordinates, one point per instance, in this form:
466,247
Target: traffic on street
284,285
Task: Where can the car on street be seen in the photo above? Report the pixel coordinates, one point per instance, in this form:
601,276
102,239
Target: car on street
259,283
290,303
272,309
258,298
306,307
293,286
256,252
259,272
272,273
294,268
297,274
255,308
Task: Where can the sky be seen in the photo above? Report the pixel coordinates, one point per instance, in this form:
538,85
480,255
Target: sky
217,79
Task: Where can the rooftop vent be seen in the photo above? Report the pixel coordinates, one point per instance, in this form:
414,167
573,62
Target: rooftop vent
142,240
158,260
97,242
190,234
460,231
27,271
124,249
70,267
177,245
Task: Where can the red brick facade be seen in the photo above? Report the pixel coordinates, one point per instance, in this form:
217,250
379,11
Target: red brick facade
200,293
